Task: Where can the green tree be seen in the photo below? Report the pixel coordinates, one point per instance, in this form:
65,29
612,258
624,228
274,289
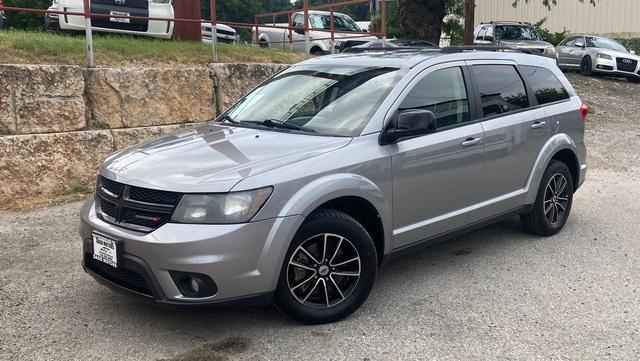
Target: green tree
26,20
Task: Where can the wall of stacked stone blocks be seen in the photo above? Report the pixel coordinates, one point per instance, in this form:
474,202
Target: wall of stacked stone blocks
57,123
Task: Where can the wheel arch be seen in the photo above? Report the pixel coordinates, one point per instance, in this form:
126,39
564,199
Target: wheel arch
560,147
352,194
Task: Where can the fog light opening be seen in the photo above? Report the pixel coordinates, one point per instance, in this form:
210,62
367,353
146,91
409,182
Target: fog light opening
194,285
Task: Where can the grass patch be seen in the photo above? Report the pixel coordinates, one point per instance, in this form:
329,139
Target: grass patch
34,47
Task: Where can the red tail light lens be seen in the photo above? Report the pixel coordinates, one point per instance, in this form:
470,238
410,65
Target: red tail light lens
584,111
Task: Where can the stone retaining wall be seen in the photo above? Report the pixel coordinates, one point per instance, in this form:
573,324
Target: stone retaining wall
57,123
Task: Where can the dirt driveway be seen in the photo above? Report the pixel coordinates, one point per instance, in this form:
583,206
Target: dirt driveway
497,293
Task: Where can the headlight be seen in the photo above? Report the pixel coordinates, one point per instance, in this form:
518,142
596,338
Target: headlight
550,50
223,208
604,56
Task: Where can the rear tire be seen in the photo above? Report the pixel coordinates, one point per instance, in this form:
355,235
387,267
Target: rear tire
586,67
553,202
318,282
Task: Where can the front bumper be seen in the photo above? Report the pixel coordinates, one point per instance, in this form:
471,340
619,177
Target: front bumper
610,67
244,260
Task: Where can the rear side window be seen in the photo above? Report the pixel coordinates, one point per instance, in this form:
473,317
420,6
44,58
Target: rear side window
444,93
501,89
546,86
481,33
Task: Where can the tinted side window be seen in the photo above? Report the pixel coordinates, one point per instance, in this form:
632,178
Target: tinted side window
444,93
570,42
546,86
501,89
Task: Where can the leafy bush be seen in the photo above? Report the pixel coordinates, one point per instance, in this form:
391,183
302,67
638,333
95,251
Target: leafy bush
631,44
552,37
26,20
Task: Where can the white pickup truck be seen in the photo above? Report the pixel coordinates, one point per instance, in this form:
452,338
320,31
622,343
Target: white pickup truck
343,26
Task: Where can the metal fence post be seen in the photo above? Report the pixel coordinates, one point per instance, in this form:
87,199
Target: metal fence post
214,30
306,29
88,34
383,21
331,27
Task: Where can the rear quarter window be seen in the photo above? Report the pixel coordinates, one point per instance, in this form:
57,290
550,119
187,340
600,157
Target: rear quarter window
546,86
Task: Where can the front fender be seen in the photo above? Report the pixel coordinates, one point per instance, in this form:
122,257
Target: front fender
334,186
555,144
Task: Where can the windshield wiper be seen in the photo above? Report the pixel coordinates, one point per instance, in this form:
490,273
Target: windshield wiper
226,118
276,123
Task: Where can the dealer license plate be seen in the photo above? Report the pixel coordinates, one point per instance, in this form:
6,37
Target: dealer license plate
105,250
120,20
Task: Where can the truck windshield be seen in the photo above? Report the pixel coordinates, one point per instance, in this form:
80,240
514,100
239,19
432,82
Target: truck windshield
317,99
516,32
340,23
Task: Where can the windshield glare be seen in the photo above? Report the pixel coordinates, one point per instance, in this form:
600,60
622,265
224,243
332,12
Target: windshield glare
340,23
330,100
604,44
516,32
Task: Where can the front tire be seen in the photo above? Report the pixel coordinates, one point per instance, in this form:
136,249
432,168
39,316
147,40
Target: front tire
329,269
586,67
553,202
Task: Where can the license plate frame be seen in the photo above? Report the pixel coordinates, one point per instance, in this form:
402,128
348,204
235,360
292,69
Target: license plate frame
107,250
119,20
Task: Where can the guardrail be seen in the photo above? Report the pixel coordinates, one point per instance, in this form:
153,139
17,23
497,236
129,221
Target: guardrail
88,16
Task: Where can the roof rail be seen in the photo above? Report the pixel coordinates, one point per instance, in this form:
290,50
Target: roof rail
506,49
503,22
356,50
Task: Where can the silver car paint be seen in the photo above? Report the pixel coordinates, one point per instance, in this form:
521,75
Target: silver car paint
421,187
570,57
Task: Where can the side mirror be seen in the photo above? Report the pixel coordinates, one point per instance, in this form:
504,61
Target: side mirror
298,31
579,44
409,123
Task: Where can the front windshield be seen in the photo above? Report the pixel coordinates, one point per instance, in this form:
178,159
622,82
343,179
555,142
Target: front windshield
331,100
516,32
604,44
340,23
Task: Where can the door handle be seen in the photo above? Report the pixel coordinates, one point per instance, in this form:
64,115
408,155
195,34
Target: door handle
538,124
471,141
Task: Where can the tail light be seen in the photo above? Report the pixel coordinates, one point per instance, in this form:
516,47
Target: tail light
584,111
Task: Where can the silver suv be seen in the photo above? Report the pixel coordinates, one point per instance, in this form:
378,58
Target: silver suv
303,188
513,34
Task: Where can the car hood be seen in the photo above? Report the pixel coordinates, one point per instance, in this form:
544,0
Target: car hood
212,158
615,53
527,43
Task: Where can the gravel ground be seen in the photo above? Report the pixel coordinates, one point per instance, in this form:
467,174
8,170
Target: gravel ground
497,293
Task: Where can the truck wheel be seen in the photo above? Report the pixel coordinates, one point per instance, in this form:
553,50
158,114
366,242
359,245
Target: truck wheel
328,271
553,202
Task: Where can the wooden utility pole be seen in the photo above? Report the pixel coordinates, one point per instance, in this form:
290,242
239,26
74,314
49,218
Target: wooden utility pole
469,20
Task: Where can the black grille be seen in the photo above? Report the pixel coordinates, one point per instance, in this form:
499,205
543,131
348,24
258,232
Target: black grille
153,196
122,277
110,186
134,208
106,24
625,64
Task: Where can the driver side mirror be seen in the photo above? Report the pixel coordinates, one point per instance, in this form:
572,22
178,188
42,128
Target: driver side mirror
298,31
579,44
409,123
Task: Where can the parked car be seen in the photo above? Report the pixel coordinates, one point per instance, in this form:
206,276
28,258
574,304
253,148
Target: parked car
594,54
393,43
3,19
226,34
302,189
150,8
318,20
513,34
